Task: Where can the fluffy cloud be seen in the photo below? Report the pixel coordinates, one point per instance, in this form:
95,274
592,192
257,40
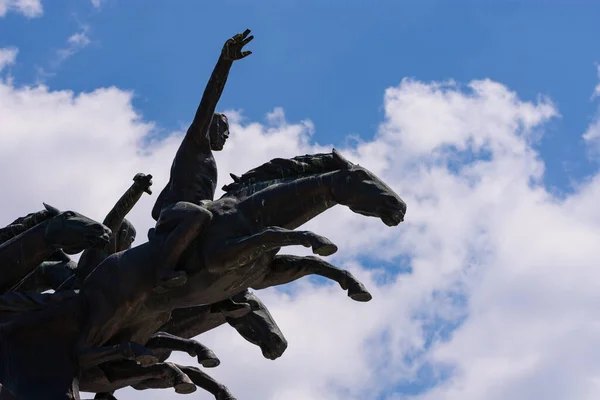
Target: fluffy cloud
597,88
592,133
28,8
75,43
8,56
500,301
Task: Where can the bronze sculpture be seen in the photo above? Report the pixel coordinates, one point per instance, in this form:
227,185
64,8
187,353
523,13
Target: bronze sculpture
114,322
69,231
193,177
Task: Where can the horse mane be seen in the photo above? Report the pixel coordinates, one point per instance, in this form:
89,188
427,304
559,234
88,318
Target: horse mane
280,170
25,223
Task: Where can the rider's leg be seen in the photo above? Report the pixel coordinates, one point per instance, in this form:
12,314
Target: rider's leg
182,222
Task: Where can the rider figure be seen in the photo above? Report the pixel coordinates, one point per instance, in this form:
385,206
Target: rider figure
123,232
59,272
193,175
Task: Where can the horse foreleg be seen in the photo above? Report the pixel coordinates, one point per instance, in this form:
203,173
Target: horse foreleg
166,341
157,376
244,250
287,268
207,383
92,356
167,375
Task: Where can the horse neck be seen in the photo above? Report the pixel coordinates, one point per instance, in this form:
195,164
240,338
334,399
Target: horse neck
291,204
31,244
193,321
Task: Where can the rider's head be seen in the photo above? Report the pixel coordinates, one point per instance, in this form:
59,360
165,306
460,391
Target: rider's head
125,236
218,131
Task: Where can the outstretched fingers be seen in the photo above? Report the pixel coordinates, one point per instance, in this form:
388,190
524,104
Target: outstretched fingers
247,40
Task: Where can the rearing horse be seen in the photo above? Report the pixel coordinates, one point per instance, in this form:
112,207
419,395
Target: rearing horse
257,327
68,230
250,223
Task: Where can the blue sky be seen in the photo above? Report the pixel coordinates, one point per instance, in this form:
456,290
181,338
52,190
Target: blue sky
468,253
324,60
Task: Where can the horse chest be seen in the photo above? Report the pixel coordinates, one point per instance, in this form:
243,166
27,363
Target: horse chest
118,292
139,330
249,274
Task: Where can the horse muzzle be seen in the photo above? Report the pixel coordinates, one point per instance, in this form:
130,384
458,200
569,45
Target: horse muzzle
274,351
392,219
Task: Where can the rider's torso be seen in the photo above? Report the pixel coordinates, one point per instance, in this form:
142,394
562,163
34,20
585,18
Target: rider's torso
193,173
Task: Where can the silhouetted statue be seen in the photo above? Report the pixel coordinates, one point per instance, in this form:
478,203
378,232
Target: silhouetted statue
258,327
60,272
42,234
117,325
193,176
250,223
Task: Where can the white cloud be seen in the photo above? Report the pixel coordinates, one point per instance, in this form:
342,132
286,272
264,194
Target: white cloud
28,8
592,134
597,88
8,57
97,3
76,42
480,227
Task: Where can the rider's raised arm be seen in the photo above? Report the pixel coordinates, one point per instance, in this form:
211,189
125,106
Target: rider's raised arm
114,219
232,50
92,257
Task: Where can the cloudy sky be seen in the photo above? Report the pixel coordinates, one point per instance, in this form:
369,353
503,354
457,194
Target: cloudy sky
484,119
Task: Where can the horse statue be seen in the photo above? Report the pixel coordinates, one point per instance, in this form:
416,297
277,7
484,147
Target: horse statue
257,327
117,305
50,230
60,272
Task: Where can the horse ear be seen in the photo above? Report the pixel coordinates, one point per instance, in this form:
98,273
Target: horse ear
53,210
344,164
235,178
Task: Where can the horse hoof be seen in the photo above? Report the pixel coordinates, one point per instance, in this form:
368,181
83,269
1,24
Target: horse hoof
359,293
363,297
207,358
185,388
209,362
145,360
325,249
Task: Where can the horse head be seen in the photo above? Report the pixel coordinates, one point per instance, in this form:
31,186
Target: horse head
366,194
258,327
74,232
